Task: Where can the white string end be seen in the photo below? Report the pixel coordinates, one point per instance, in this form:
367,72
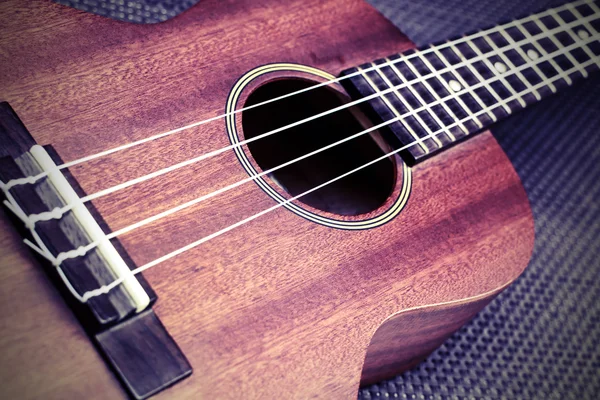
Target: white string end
39,251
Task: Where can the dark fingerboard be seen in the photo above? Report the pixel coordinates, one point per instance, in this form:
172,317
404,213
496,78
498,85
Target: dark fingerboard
432,97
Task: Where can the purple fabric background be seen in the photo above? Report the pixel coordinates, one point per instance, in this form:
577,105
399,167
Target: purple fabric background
541,338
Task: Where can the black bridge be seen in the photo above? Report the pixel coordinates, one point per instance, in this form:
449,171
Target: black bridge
134,343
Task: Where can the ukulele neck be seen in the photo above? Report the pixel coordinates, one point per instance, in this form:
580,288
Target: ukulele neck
430,98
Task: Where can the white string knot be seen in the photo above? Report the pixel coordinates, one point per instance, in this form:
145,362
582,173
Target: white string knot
55,213
22,181
29,224
82,250
78,252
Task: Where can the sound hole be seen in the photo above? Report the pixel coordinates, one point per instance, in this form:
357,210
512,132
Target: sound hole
358,193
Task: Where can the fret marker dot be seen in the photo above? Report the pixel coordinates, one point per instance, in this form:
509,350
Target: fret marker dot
500,67
532,54
583,34
454,85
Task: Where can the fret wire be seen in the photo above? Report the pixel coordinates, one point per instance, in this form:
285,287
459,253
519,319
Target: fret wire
416,95
590,28
458,76
528,64
509,62
164,134
495,38
495,71
591,4
523,20
393,109
435,95
567,15
485,82
525,32
562,74
577,64
524,92
450,91
521,52
511,24
108,287
405,103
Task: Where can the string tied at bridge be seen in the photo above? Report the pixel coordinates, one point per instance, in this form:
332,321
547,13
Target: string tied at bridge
82,250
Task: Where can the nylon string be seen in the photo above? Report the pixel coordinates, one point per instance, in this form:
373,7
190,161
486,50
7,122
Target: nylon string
58,212
106,288
483,33
82,250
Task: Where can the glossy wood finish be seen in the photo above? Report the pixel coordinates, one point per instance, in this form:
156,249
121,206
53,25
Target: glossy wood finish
407,337
136,346
144,355
281,305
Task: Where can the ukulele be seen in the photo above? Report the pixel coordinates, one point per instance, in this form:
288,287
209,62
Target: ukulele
249,194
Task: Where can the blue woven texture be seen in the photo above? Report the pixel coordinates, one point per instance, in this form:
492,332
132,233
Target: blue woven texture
137,11
540,339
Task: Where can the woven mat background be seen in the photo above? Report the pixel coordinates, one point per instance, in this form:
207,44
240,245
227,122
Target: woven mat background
540,339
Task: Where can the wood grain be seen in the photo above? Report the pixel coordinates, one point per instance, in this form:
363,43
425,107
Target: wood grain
406,338
280,305
145,357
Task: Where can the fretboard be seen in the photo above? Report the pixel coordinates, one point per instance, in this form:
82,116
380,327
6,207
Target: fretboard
432,97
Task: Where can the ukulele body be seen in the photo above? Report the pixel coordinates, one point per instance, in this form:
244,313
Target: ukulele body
282,306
